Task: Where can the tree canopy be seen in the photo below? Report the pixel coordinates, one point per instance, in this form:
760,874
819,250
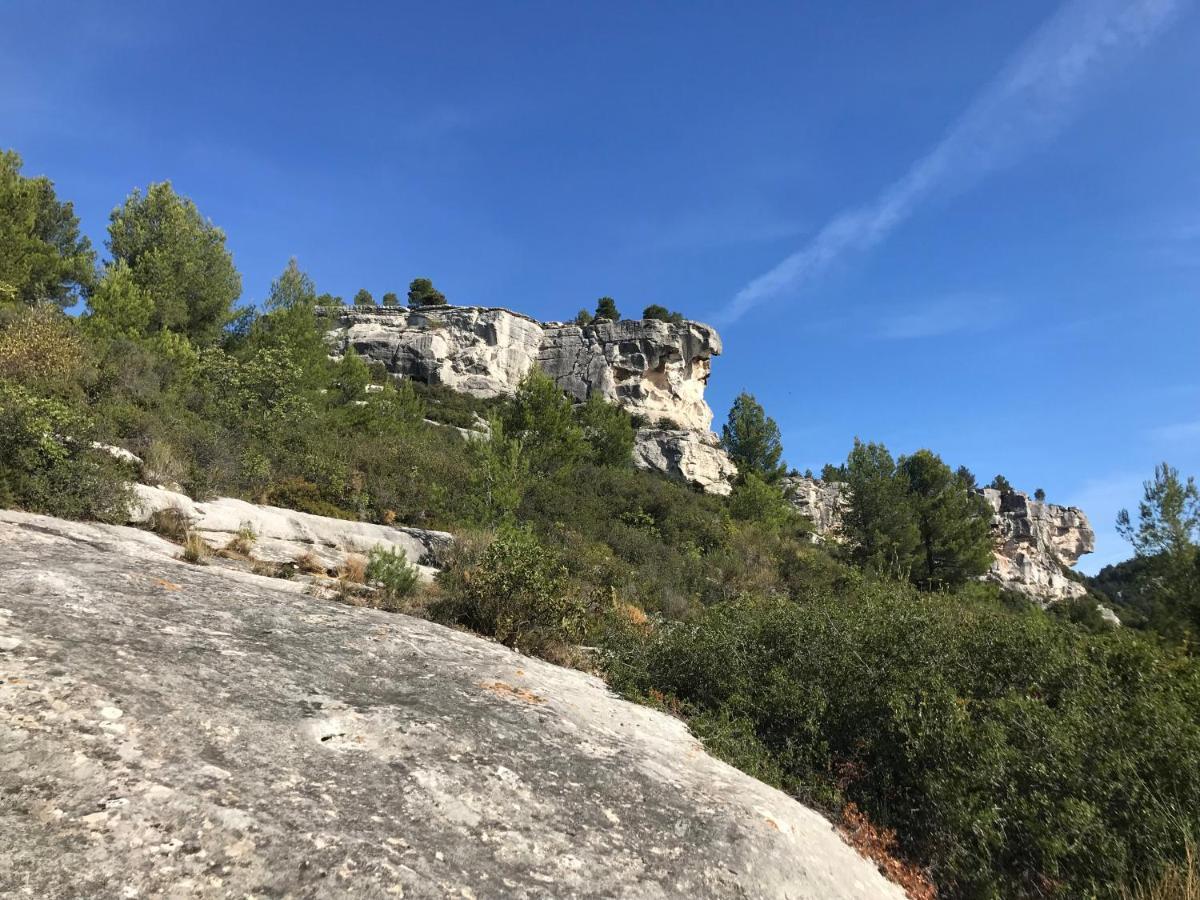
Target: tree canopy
363,298
751,438
179,259
606,308
43,257
421,292
662,314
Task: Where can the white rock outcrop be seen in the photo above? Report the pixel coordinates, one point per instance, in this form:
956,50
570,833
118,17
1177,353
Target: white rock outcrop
1034,543
654,369
282,535
172,730
695,457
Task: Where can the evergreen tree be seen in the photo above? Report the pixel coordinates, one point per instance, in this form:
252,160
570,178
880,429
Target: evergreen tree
291,324
954,524
608,431
606,308
179,259
43,257
351,376
662,314
751,438
542,419
1039,495
118,307
1167,535
1000,483
880,524
390,299
421,292
583,317
363,298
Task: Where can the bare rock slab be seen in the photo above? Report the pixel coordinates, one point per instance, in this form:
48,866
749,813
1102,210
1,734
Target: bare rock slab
176,730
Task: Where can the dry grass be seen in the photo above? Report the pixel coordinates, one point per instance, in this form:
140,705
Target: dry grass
354,569
308,563
242,543
1180,881
195,550
172,523
272,569
879,846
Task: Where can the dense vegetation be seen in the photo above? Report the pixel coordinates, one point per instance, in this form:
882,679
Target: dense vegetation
1015,753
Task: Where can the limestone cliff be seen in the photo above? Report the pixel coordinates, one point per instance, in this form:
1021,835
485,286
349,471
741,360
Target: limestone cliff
651,368
171,730
1033,542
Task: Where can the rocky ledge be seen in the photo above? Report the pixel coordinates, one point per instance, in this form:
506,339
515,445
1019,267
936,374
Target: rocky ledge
1034,542
651,368
177,730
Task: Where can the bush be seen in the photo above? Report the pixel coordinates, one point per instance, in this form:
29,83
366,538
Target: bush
390,570
516,593
1011,755
47,464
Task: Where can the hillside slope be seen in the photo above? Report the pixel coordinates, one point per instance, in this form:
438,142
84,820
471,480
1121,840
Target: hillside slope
165,726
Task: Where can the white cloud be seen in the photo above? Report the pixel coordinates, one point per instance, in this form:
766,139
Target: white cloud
1026,104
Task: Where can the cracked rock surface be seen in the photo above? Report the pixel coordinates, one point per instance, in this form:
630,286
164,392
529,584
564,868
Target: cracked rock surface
169,730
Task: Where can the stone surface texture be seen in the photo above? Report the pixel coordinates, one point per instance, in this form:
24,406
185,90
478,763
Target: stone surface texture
282,535
1033,542
652,368
695,457
169,730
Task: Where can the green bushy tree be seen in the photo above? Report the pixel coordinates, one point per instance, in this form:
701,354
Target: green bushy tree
582,318
608,431
880,524
953,523
390,299
291,325
43,257
541,417
363,298
751,438
662,314
179,259
421,292
606,308
118,307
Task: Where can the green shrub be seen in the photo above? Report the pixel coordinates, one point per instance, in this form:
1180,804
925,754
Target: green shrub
47,463
515,592
1013,756
391,571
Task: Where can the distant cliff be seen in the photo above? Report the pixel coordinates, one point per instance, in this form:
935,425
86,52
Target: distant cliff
655,370
1033,542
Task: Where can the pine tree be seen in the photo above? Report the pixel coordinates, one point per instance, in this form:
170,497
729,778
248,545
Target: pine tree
606,308
421,292
363,298
751,438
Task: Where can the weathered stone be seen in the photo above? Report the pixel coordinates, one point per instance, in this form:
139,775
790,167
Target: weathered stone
651,368
824,502
1033,542
272,744
282,535
696,457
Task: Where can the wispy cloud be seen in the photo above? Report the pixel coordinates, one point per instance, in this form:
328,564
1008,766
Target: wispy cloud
1025,105
949,315
1177,432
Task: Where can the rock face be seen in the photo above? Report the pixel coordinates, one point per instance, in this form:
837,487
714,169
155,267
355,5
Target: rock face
695,457
824,502
178,730
655,369
1033,542
282,535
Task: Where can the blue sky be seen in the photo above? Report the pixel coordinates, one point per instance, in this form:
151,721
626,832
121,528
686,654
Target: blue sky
971,227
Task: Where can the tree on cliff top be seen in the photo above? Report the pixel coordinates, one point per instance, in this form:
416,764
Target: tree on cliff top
662,314
421,292
751,438
363,298
179,258
606,308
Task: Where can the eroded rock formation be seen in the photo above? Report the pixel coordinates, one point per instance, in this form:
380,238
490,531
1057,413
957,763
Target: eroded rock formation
1033,542
177,730
695,457
282,535
651,368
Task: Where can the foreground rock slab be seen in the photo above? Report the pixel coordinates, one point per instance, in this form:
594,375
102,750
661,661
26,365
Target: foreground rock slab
193,731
